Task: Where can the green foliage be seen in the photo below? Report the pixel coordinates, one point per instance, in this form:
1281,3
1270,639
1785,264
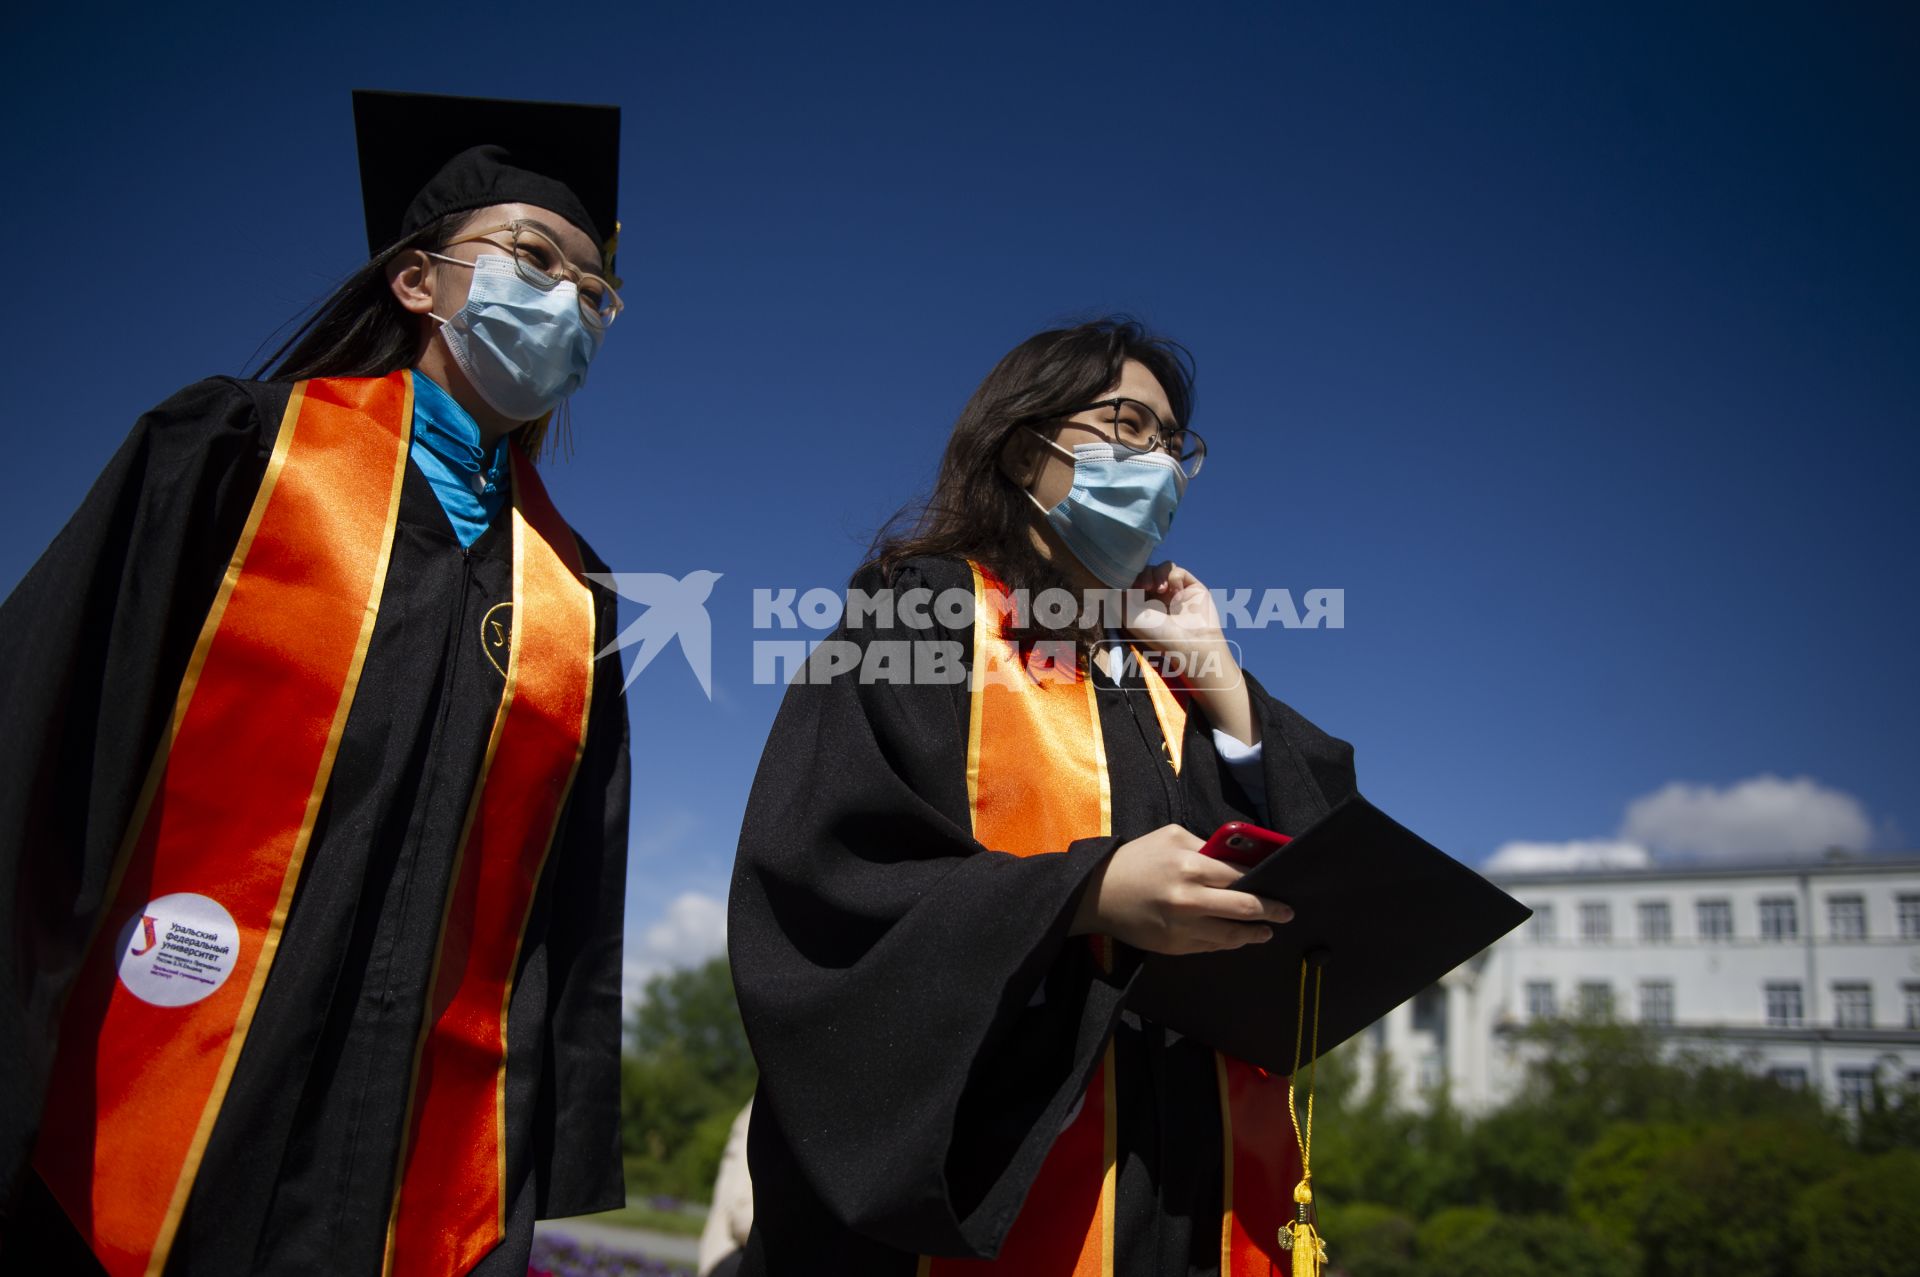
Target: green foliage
1613,1160
1455,1230
1589,1076
1368,1239
1608,1188
686,1074
1864,1222
1719,1205
693,1012
1891,1119
1488,1244
1367,1148
1523,1155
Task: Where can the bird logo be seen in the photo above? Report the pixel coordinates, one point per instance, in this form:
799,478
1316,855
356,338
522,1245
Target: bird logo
675,608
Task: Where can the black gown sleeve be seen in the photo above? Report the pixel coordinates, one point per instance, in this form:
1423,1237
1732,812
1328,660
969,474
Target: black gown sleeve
1306,772
578,1167
1310,773
93,643
922,1021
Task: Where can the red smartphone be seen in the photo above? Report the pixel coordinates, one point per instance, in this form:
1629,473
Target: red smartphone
1240,843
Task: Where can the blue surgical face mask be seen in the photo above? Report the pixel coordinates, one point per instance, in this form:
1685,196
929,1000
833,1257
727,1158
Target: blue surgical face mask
524,348
1119,509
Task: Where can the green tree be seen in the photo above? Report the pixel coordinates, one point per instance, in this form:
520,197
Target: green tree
1719,1205
687,1071
1587,1076
1864,1222
1369,1240
693,1011
1454,1230
1488,1244
1522,1155
1890,1119
1367,1147
1608,1188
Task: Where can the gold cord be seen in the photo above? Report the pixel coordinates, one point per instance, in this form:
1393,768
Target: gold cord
1309,1250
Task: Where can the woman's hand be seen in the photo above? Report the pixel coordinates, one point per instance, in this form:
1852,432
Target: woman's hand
1160,894
1180,620
1179,615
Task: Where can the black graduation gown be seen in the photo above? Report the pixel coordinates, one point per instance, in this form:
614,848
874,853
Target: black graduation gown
299,1169
922,1021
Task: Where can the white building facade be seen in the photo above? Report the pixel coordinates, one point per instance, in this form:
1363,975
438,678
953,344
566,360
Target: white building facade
1811,970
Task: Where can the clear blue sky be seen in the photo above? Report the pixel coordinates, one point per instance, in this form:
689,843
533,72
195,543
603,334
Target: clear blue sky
1575,343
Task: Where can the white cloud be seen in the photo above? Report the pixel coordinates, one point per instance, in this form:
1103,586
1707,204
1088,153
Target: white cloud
634,975
1567,857
1760,818
693,929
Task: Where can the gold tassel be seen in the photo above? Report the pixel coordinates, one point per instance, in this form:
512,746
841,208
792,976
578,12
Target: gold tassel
606,257
1309,1249
1309,1252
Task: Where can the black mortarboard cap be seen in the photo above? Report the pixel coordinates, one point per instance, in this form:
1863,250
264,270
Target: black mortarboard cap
1383,912
423,156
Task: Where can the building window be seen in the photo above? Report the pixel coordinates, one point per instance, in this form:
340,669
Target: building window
1783,1005
1656,922
1716,919
1540,1000
1847,917
1596,921
1910,917
1856,1088
1778,921
1596,999
1656,1002
1853,1006
1789,1076
1913,1005
1543,924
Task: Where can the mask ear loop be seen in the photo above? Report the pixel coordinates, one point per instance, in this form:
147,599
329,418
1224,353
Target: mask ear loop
442,257
1051,443
1054,444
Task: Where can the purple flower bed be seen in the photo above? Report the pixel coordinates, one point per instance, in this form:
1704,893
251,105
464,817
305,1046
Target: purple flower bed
563,1257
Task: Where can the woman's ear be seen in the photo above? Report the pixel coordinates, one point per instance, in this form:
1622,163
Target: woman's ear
1020,457
410,276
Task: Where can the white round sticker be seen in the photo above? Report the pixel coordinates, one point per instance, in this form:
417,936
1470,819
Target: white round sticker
178,950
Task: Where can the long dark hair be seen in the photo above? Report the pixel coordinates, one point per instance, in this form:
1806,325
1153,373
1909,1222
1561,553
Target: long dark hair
974,510
362,330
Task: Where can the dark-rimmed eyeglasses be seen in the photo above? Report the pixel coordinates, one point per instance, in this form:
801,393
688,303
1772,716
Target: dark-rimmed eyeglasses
1136,425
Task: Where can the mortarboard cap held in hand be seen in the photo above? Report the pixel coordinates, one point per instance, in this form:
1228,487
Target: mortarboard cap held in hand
1380,910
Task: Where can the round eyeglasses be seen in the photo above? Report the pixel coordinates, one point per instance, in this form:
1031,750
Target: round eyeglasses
1136,425
540,262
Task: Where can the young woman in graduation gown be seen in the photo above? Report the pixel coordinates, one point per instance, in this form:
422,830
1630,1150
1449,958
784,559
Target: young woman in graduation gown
313,815
944,885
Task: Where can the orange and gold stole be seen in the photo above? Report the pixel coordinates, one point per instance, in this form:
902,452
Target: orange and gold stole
1037,780
161,1007
450,1204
